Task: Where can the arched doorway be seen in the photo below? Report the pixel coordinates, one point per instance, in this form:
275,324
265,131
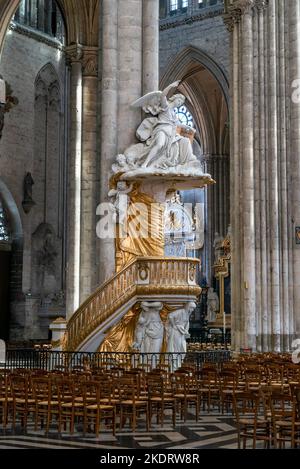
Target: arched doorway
11,257
5,268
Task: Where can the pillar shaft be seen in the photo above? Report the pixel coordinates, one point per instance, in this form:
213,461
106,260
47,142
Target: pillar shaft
294,64
89,185
74,185
150,45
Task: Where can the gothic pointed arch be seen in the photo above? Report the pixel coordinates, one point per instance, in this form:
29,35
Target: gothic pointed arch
178,65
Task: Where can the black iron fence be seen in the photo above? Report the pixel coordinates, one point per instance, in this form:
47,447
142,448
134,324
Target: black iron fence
50,360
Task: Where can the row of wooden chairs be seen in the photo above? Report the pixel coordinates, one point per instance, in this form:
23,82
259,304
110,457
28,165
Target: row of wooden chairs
268,415
91,397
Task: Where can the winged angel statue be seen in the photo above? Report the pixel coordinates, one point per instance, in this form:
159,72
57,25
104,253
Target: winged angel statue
161,147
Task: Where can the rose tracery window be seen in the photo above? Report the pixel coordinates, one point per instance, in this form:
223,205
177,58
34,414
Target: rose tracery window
184,116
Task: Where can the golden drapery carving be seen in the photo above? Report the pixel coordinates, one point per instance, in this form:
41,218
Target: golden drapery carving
120,337
147,216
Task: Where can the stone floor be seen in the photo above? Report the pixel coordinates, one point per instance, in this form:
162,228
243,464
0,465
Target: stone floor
211,431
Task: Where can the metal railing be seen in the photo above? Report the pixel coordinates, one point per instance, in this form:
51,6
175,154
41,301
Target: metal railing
66,361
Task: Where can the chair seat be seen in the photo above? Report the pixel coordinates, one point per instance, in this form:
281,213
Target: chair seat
101,407
107,400
88,399
160,399
71,404
131,402
186,396
250,421
23,401
48,403
285,423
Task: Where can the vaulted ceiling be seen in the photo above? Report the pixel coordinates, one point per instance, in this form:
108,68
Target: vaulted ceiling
81,17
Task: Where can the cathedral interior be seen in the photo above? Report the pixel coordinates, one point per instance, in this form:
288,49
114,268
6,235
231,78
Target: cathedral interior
191,110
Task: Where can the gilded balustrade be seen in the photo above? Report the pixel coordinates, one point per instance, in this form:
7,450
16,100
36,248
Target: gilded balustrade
143,276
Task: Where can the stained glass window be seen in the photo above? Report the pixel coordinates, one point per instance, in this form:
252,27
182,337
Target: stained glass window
173,5
44,16
4,230
184,116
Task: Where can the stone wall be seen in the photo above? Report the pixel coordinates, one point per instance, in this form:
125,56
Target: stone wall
33,142
208,34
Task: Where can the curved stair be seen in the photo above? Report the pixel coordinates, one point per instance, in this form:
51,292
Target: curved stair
143,279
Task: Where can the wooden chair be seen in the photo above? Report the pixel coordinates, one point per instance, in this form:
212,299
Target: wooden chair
250,424
23,403
228,382
6,399
160,398
209,389
94,410
131,403
186,393
46,401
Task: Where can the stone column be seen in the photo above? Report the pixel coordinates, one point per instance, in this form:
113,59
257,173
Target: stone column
286,312
273,176
262,170
150,45
74,54
89,183
129,67
235,220
109,119
265,171
294,65
247,155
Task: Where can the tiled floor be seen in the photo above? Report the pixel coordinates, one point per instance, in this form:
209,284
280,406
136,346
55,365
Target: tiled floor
211,431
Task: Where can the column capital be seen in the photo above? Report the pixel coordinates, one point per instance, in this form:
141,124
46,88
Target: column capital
90,61
74,53
238,8
261,4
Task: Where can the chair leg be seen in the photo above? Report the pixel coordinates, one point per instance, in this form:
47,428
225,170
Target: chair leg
114,422
133,419
174,416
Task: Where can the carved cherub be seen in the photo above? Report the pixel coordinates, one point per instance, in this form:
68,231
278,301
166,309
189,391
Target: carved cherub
120,200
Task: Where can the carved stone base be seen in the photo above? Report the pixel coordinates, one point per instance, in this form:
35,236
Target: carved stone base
58,328
180,178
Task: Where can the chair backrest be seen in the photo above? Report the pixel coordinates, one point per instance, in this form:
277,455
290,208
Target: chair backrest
19,386
128,388
155,385
4,386
246,404
42,389
91,392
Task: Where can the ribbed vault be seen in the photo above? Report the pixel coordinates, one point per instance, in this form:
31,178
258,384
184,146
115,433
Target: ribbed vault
81,18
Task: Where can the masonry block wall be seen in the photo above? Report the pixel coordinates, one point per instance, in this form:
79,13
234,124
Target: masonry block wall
33,142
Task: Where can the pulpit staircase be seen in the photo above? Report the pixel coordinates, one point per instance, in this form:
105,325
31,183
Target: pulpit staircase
167,279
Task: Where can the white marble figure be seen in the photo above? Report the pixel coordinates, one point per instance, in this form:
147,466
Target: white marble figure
212,305
120,200
178,328
229,234
161,147
2,351
149,332
217,246
121,164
